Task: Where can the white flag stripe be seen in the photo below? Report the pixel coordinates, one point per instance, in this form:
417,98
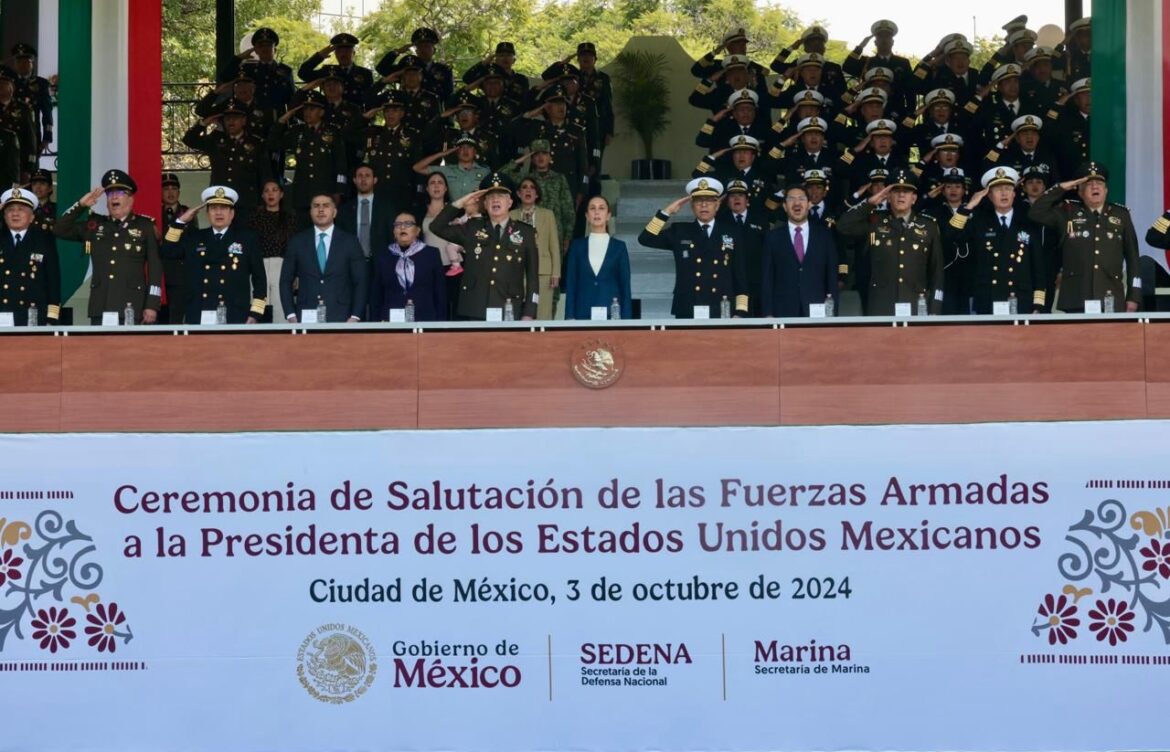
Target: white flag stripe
1143,130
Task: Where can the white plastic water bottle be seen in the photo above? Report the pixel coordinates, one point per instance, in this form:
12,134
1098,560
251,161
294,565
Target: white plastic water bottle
922,309
34,317
1107,304
509,311
1013,304
128,318
725,308
615,310
221,312
322,313
830,307
408,311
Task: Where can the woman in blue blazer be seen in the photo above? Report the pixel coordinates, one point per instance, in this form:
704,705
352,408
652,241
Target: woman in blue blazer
408,269
598,269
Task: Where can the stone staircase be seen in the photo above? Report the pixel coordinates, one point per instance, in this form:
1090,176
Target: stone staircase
651,270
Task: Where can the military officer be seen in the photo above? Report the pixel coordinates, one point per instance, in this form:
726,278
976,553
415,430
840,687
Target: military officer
30,273
596,84
174,273
34,91
357,79
514,84
319,151
390,149
1070,119
238,159
274,80
119,245
751,219
18,118
464,106
437,77
710,263
498,111
1023,148
550,123
856,64
45,214
903,248
1003,256
224,260
1073,59
555,193
242,93
812,41
499,254
747,167
1099,250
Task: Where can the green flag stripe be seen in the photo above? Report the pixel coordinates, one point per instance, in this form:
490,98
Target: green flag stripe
74,113
1107,137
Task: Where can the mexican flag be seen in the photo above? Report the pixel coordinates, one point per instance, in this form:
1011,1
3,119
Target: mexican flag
109,111
1131,107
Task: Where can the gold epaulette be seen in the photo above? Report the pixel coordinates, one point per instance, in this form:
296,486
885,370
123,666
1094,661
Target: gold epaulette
992,156
173,235
775,153
1038,298
841,119
1162,225
1052,115
655,225
959,221
778,126
843,269
972,106
54,312
707,128
907,122
847,157
920,71
741,302
704,166
703,88
258,305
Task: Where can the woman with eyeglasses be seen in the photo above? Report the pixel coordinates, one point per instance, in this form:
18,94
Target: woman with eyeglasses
598,267
548,244
408,270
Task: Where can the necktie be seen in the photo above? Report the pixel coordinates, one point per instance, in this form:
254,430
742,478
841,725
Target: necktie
218,236
707,230
18,239
739,219
321,251
499,234
364,225
1003,221
798,244
816,213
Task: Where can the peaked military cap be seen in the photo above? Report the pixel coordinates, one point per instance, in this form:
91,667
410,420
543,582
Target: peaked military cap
119,181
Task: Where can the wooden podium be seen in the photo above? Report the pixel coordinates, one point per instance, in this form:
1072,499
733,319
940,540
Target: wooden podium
379,377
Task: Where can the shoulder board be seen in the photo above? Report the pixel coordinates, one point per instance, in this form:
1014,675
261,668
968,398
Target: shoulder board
841,119
147,217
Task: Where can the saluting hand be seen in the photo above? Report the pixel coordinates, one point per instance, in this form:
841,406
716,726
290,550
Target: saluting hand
292,111
91,198
880,196
462,201
210,119
326,50
189,215
1069,185
245,54
975,199
720,115
676,205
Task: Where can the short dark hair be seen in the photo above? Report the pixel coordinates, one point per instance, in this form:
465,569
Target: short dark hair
795,187
316,196
535,184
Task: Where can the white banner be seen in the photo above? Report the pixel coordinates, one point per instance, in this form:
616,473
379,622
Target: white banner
991,587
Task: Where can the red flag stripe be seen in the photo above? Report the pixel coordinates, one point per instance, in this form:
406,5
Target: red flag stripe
1166,109
144,94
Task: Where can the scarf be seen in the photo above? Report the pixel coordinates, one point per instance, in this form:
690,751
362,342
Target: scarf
404,268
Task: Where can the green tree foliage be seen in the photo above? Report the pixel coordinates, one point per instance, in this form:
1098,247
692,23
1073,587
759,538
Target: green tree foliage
189,32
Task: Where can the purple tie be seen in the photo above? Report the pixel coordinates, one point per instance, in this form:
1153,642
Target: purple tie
799,245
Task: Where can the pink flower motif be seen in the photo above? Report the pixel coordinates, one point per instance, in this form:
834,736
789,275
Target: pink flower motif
1111,621
1157,557
102,627
54,629
10,566
1060,615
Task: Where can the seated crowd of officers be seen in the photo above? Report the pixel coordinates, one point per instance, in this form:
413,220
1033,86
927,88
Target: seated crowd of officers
904,182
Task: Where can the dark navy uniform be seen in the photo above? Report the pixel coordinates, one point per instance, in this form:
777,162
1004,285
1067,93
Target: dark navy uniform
356,78
30,272
35,92
1001,261
274,80
707,267
241,163
229,268
437,77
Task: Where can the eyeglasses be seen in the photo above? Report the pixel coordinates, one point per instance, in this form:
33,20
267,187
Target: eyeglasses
405,224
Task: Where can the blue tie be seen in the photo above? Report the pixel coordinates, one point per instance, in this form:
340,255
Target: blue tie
321,251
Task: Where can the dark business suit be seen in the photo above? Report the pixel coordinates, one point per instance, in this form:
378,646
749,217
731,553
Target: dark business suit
586,289
789,286
344,286
382,215
32,275
428,293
